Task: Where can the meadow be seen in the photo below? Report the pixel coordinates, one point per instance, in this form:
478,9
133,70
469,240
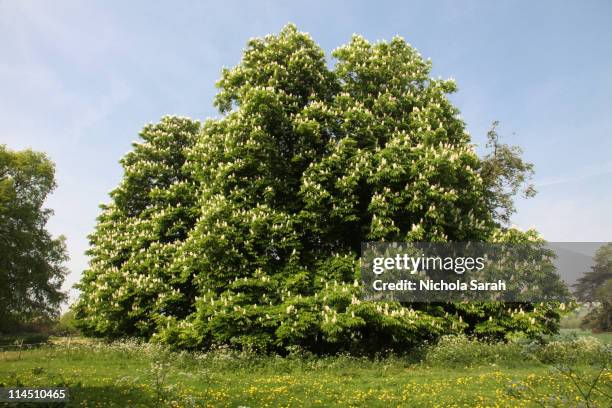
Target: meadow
571,370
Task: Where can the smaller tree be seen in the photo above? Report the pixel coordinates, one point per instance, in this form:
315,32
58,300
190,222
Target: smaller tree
505,174
600,273
596,286
600,317
31,261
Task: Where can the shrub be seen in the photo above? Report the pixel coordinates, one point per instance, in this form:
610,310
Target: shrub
461,351
580,350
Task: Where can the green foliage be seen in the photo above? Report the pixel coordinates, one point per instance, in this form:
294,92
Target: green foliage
505,174
596,286
247,231
133,250
461,351
573,319
31,261
600,273
579,350
600,317
66,324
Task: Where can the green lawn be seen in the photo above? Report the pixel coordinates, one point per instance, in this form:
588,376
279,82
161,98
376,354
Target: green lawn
131,375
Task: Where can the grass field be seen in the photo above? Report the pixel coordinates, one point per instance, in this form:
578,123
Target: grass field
604,337
456,373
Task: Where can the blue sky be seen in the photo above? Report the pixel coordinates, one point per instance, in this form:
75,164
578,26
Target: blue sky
78,80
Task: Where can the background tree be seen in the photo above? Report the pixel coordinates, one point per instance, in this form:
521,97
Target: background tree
601,272
305,164
600,317
596,286
31,260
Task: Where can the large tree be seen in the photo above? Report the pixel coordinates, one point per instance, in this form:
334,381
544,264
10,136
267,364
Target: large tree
305,164
31,260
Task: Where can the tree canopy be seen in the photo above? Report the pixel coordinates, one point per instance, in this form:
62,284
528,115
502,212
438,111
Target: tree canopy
31,261
246,230
601,272
596,286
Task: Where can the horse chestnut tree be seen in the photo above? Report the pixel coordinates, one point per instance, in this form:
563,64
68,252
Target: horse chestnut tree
246,230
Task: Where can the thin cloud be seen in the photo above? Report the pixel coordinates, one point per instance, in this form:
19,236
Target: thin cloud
573,179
